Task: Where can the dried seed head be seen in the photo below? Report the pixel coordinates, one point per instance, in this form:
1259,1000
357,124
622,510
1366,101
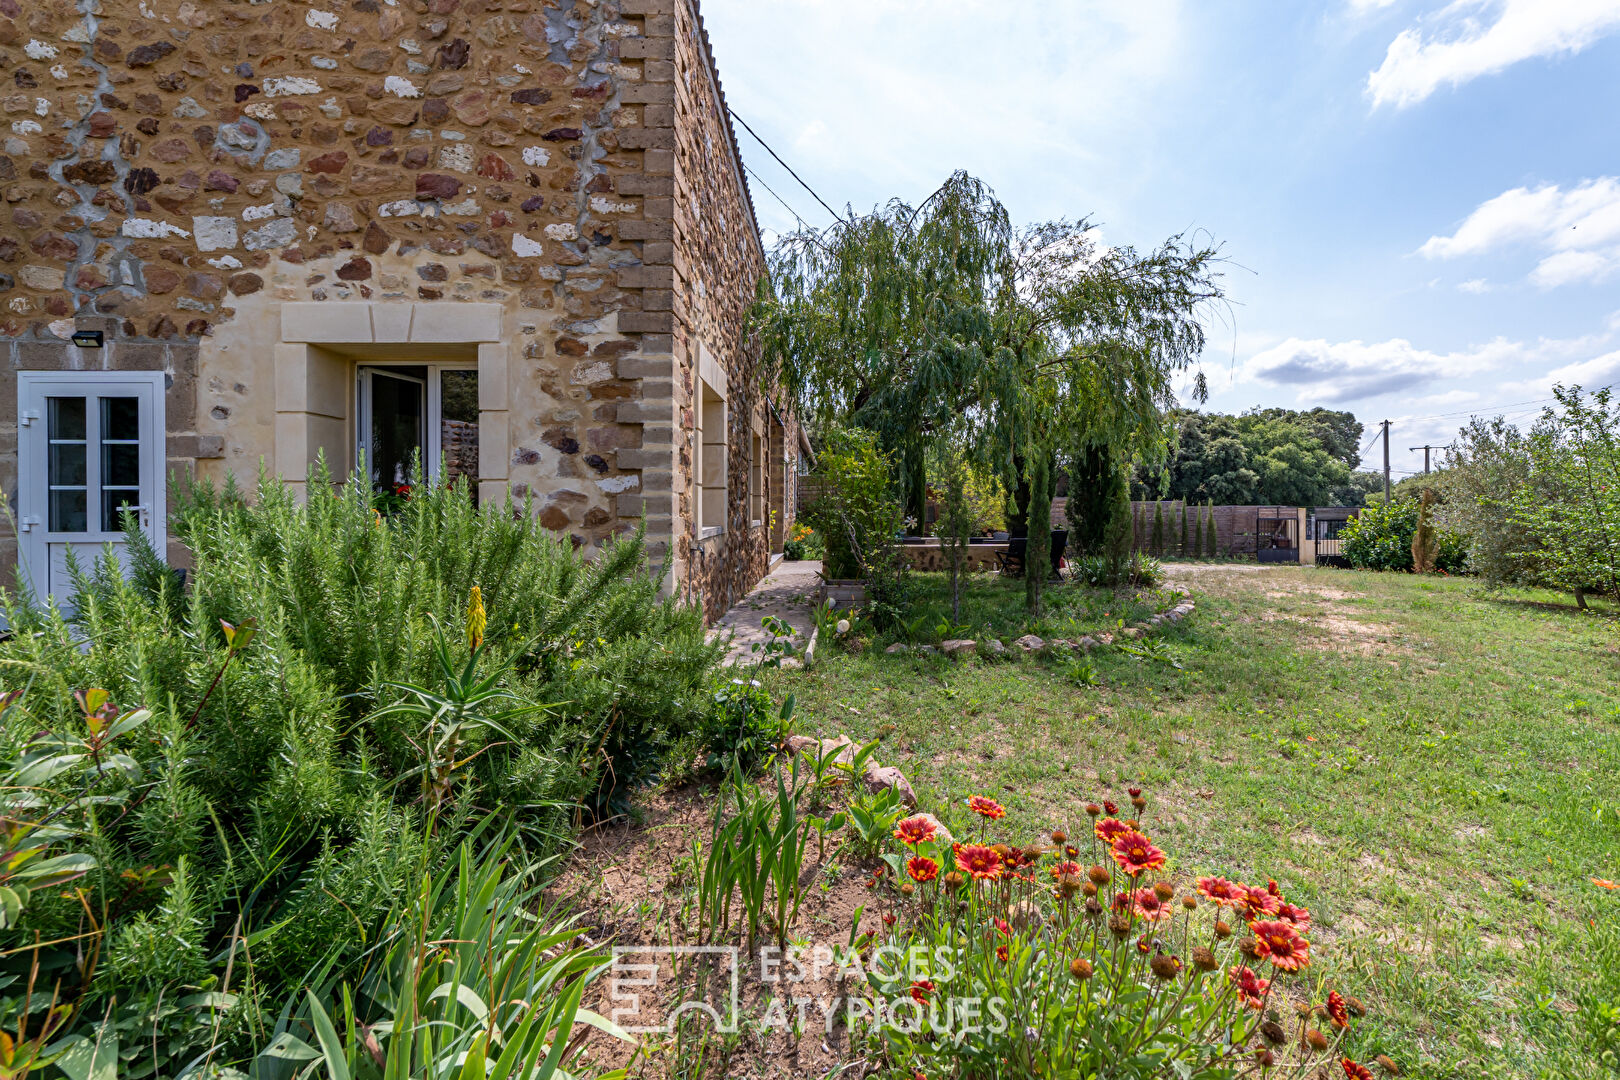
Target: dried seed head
1093,908
1165,966
1190,902
1265,1058
1165,891
1119,925
1080,968
1139,802
1247,948
1387,1063
1273,1033
1204,959
1059,837
1098,875
1093,809
953,880
1302,1010
1355,1006
907,888
1089,889
1316,1040
1222,931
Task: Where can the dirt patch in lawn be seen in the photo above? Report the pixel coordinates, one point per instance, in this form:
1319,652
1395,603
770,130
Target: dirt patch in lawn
634,883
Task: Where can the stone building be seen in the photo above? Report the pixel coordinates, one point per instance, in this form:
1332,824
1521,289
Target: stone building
513,235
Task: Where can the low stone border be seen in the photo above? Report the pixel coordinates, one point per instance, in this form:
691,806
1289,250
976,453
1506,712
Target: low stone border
1030,643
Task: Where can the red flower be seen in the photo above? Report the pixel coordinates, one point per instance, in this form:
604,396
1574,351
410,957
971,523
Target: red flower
987,807
1353,1071
888,918
1251,988
920,990
922,868
1002,953
1109,808
1220,891
1003,927
1133,792
1071,868
1299,917
1136,853
1109,828
979,861
1280,943
914,830
1148,906
1337,1010
1258,904
1273,889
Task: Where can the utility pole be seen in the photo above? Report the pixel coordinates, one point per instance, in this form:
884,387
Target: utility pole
1425,450
1386,462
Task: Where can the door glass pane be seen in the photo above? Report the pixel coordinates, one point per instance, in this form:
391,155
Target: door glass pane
68,511
68,465
396,429
120,418
111,500
120,465
458,426
66,417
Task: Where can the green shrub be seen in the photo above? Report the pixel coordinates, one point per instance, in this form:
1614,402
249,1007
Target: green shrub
858,514
1380,538
742,726
310,699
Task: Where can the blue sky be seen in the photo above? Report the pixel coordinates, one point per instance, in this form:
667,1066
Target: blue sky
1420,200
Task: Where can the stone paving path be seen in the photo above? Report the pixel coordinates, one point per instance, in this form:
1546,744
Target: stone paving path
786,592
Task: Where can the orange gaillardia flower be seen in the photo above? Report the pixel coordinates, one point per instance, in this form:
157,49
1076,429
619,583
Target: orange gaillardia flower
920,991
979,861
1257,903
922,868
1337,1011
1071,868
914,830
1220,891
1353,1071
1108,829
1136,853
1281,944
1294,915
987,807
1147,905
1251,988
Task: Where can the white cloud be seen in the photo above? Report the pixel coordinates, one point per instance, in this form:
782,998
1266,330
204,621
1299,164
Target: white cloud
1578,229
1474,285
1460,46
1335,372
1362,7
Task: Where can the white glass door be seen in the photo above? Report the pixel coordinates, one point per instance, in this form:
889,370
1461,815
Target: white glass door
89,451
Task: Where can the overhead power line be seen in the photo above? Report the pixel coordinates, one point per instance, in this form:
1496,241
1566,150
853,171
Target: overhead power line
785,165
774,195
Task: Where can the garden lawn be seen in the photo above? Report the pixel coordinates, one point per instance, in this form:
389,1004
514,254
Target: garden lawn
1433,770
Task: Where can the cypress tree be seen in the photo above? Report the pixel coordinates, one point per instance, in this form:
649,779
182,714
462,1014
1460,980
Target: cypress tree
1157,542
1198,533
1214,542
1184,552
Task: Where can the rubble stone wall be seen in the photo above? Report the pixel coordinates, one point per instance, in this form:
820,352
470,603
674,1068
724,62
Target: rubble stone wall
178,172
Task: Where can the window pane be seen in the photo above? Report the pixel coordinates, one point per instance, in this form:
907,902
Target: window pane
65,418
68,511
120,418
458,426
120,465
67,468
110,502
396,428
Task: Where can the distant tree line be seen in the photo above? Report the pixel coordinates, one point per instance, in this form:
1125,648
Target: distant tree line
1278,457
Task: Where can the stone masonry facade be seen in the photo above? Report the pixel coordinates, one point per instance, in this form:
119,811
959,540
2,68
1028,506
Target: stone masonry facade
255,197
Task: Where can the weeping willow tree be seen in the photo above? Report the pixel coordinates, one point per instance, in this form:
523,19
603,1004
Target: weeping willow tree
911,321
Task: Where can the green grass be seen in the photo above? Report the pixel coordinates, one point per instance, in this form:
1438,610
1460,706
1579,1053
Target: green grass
1433,770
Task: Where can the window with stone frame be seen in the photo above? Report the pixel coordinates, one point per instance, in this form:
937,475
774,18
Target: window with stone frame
710,471
756,478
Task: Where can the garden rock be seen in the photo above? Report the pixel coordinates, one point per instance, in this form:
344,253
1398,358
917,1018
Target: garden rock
840,750
927,650
1086,644
1132,632
995,647
1030,643
960,647
897,647
880,778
